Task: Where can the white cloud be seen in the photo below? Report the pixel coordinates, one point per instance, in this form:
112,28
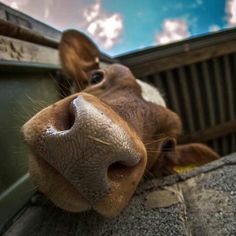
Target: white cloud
199,2
173,30
14,5
92,12
106,29
231,12
214,28
47,8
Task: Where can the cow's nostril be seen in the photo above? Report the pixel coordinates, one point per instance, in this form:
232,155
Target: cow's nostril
66,119
118,170
117,166
70,118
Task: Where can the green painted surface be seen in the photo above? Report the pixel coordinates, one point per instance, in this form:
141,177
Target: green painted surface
15,197
21,96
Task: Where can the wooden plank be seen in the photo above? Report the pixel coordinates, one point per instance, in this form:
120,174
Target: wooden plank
14,50
230,100
221,111
158,82
209,96
210,133
219,96
27,22
234,80
229,87
186,96
14,31
146,67
172,90
198,95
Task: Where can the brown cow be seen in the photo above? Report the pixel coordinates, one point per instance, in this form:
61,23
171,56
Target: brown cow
91,149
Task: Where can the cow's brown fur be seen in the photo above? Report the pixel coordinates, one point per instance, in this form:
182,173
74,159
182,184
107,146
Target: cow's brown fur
153,128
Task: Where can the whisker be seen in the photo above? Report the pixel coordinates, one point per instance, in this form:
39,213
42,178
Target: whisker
39,103
58,88
99,140
59,91
155,141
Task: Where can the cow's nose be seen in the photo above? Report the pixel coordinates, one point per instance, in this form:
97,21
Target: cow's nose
87,144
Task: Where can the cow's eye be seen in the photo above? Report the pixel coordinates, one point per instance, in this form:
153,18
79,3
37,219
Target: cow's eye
168,145
96,77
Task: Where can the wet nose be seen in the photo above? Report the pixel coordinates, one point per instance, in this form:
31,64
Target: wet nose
87,142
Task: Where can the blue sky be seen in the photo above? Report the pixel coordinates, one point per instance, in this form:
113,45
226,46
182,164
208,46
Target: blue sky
119,26
144,21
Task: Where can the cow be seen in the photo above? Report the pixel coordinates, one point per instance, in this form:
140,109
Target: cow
91,149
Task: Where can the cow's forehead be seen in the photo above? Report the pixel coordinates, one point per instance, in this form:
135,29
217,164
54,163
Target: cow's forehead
151,94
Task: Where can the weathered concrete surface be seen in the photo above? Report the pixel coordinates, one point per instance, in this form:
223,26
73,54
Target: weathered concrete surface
202,202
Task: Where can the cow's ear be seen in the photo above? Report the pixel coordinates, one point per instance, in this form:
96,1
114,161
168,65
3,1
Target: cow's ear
194,154
78,55
183,158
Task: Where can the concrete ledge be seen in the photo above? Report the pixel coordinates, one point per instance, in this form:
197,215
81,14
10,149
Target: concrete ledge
202,202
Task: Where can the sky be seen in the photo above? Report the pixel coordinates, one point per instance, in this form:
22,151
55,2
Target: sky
121,26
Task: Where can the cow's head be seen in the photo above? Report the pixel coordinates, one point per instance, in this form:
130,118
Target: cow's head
91,149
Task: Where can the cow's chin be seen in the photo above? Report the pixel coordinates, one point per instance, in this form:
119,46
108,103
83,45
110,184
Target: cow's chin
65,196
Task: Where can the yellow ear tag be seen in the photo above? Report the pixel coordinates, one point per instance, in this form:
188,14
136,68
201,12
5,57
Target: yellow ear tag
185,169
